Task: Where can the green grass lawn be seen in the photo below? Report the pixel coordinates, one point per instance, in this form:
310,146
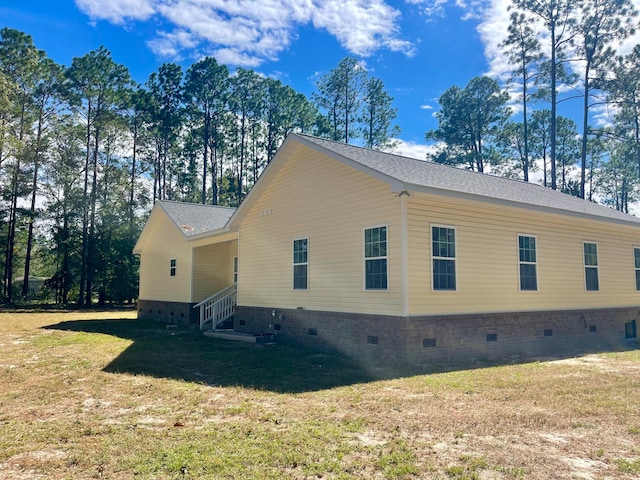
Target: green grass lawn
102,395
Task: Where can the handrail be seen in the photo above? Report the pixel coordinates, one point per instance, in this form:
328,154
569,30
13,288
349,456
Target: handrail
220,294
218,307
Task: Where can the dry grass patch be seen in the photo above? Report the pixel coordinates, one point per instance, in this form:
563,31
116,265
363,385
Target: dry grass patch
100,395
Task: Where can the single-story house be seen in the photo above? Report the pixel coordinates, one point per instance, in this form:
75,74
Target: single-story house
391,259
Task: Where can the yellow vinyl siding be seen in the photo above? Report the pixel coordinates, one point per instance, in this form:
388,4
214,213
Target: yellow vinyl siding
165,242
213,268
315,197
487,259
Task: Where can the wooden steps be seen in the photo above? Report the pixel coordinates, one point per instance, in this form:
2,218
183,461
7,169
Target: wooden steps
234,336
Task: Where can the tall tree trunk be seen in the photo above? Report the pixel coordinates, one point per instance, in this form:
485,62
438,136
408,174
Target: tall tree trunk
205,154
242,157
85,210
214,169
92,222
133,179
585,127
11,235
32,211
554,98
525,128
66,281
13,211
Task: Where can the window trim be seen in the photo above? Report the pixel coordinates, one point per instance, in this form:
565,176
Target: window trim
172,267
365,258
596,266
455,258
294,264
636,269
235,267
520,262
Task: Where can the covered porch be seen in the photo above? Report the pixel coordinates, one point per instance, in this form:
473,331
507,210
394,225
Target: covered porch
215,273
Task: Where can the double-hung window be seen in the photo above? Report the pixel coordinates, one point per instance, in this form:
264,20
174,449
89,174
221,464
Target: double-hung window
636,262
443,253
301,264
591,266
375,258
172,267
527,259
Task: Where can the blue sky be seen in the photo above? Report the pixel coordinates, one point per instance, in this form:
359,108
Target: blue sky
419,48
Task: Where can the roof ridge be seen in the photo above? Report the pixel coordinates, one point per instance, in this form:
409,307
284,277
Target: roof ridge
194,204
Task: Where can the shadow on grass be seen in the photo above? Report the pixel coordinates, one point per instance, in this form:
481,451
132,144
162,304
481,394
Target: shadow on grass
186,354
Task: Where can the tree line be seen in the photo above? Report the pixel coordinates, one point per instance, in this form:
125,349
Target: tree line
561,52
85,151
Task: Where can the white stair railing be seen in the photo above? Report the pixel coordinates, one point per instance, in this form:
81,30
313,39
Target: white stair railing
218,307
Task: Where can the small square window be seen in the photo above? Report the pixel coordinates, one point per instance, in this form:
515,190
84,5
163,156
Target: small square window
492,337
548,332
372,340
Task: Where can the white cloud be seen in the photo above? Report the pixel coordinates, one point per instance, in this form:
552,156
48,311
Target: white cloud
170,44
413,150
245,33
426,107
117,11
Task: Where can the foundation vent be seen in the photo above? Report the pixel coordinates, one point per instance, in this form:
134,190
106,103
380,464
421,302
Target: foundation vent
428,343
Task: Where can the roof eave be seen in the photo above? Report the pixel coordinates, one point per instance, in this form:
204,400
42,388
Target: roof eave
212,233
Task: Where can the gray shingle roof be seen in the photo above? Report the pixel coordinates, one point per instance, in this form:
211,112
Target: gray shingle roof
194,218
422,175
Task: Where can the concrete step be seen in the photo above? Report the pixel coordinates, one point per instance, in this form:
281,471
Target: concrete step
239,336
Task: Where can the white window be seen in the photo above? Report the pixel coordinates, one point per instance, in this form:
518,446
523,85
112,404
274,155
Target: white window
590,250
172,267
301,264
527,258
375,258
443,255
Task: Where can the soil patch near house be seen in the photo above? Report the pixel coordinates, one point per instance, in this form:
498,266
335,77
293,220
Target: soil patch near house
101,395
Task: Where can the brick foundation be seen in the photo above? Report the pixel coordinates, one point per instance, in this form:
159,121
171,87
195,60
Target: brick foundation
176,313
393,340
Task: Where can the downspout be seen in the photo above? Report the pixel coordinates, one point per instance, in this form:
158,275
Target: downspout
404,245
192,299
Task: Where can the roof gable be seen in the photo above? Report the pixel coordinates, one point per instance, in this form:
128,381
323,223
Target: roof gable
192,220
